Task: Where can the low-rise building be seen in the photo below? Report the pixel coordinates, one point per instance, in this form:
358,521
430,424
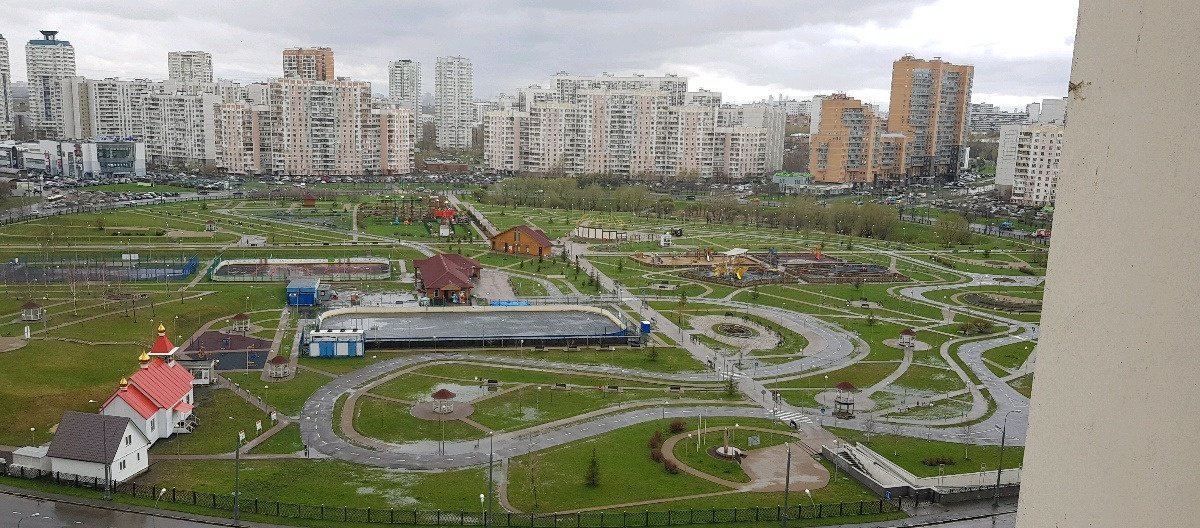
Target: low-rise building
523,240
447,278
98,446
158,397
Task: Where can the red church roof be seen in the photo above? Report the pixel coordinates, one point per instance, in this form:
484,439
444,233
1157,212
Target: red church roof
158,386
163,344
136,400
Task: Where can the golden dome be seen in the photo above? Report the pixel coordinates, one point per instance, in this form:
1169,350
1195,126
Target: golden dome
123,383
144,357
161,329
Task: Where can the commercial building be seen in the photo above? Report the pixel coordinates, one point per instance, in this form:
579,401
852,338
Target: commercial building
930,105
852,145
190,66
1028,162
48,61
7,112
314,64
454,93
404,84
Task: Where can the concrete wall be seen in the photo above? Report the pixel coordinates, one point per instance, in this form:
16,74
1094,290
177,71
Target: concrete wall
400,310
1113,419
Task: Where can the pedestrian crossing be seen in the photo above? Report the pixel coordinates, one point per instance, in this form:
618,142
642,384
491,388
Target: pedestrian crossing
793,416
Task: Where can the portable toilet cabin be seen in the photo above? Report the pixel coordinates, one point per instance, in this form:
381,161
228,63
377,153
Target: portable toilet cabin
303,292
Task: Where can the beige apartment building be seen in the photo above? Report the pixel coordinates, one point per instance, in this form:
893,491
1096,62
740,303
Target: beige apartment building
849,146
190,66
929,104
314,64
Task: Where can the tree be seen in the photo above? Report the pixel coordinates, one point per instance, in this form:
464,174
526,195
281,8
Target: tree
730,387
652,355
621,265
99,222
952,228
592,478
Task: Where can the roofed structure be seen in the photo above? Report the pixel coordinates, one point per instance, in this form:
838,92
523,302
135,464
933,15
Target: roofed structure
522,240
88,437
447,277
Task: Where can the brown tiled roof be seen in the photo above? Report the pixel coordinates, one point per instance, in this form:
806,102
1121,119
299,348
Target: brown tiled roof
446,270
88,437
537,235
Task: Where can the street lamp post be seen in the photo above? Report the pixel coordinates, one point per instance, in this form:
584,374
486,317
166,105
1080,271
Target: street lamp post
487,516
237,480
787,482
1000,465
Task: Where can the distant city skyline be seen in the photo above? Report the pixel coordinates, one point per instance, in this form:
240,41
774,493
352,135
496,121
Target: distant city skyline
1021,49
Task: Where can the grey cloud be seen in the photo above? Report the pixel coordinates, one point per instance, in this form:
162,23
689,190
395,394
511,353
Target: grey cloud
512,44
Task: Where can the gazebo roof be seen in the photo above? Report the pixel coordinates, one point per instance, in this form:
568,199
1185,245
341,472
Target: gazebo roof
241,317
278,360
30,305
846,386
908,332
443,394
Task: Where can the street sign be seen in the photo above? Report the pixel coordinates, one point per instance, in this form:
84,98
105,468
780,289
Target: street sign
753,441
241,436
272,416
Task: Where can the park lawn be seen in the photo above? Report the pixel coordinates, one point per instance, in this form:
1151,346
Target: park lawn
1023,385
222,414
790,342
926,379
286,396
330,482
877,293
909,452
393,422
939,410
533,405
713,343
545,267
626,472
669,358
698,458
43,379
861,374
1012,356
682,314
525,287
286,441
794,300
418,384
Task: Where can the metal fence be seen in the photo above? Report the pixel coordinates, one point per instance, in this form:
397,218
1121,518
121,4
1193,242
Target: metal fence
98,269
591,519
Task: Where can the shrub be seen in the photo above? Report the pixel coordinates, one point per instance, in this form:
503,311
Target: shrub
656,454
656,440
671,467
677,426
938,461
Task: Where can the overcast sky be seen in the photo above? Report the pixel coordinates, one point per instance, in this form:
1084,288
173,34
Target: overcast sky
1021,49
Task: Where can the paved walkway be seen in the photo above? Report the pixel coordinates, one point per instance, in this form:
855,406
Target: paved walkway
493,284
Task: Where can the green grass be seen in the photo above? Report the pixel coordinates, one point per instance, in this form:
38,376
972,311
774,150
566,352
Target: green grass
286,441
699,459
529,406
524,287
626,472
330,482
1010,356
393,422
862,375
419,383
1023,385
222,414
669,358
929,379
286,396
909,452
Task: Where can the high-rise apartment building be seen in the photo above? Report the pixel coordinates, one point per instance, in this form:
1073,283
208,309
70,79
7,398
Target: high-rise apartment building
1051,111
180,129
190,66
641,128
1027,165
930,105
987,119
852,145
7,112
48,61
315,64
454,93
568,86
105,107
404,84
318,126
